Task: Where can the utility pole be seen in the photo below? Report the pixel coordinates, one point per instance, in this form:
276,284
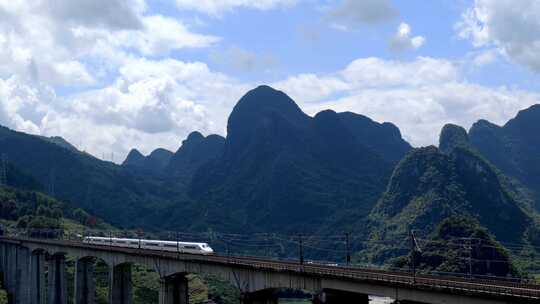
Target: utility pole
414,250
301,249
348,245
413,256
266,245
469,247
228,250
177,242
140,234
3,172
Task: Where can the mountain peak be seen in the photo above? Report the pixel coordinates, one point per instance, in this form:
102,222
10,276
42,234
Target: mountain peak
263,99
196,150
384,138
484,123
194,136
134,158
326,114
160,151
262,110
453,136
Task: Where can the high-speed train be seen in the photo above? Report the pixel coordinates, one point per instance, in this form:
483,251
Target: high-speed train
184,247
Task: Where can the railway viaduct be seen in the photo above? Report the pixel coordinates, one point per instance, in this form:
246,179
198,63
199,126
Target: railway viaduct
34,271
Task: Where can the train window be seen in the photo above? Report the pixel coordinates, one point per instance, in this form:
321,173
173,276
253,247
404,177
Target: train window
152,244
170,245
134,243
190,247
121,242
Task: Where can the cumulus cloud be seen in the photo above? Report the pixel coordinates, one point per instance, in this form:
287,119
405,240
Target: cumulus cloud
159,36
152,103
218,7
111,14
23,107
511,26
402,40
349,14
46,45
485,57
419,96
311,87
377,72
241,60
53,41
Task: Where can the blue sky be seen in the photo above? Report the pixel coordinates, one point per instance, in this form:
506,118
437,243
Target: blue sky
111,75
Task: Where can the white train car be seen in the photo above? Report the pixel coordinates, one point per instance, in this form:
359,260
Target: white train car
184,247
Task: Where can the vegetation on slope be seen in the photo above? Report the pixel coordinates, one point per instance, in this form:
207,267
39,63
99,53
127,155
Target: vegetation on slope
428,187
459,245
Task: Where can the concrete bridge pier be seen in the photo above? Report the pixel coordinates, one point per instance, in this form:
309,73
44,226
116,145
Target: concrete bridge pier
37,278
267,296
56,280
121,285
329,296
85,287
22,285
16,271
2,262
10,272
174,290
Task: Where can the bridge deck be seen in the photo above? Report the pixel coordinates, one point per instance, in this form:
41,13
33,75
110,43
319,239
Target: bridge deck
474,287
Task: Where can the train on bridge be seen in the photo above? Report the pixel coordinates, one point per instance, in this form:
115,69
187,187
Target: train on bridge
183,247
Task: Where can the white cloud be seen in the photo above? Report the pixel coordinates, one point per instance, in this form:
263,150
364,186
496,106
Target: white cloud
218,7
159,36
241,60
485,57
50,44
60,42
402,40
349,14
376,72
110,14
420,112
419,96
22,107
311,87
152,103
511,26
